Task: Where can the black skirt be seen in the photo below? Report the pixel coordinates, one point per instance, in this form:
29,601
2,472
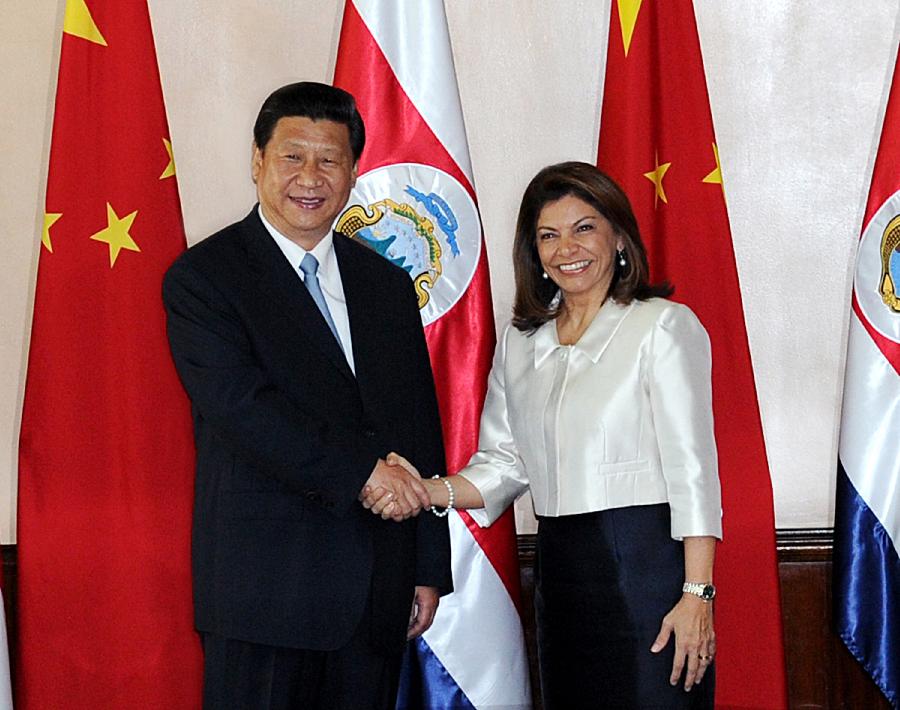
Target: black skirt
603,583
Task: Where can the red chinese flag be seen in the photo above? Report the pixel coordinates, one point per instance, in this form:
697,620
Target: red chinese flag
657,141
106,452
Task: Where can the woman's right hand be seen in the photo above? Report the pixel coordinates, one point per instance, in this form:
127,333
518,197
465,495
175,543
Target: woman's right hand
691,623
465,494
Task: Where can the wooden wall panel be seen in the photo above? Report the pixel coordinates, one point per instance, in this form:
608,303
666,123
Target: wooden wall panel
821,672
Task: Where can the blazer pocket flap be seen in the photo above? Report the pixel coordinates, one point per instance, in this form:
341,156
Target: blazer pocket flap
636,466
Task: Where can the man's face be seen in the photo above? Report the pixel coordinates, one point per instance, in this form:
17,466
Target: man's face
303,177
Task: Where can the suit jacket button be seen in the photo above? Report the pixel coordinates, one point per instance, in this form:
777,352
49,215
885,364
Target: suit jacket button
369,433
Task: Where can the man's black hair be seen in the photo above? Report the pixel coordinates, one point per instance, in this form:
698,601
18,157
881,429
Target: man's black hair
311,100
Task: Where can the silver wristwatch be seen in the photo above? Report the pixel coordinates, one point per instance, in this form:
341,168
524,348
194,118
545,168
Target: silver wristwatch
704,590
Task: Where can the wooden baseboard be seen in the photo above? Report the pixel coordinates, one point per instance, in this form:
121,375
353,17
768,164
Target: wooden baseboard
804,544
821,672
10,599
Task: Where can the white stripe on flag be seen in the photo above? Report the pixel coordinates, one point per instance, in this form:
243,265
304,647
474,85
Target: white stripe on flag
870,444
477,633
408,48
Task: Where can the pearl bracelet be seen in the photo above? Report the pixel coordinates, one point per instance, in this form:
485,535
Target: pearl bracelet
450,501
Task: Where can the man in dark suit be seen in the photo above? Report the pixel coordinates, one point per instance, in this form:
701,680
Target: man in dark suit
305,361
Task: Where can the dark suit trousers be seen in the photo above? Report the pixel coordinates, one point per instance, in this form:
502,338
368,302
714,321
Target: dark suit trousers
362,675
239,675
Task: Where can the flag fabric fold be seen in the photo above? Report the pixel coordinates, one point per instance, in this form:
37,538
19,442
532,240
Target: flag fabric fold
415,203
657,141
866,579
106,451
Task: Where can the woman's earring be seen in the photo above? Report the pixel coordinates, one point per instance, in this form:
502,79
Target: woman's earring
621,255
545,275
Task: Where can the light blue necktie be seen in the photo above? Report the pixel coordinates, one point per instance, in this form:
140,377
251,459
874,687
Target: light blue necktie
309,266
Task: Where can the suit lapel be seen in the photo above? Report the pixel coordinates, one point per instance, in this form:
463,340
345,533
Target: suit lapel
281,286
362,309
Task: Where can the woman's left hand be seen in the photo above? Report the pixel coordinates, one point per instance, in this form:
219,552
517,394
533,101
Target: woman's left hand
691,620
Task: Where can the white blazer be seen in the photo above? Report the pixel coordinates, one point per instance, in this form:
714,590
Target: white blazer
623,417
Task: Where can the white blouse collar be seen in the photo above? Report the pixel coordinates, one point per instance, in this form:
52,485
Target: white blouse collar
593,341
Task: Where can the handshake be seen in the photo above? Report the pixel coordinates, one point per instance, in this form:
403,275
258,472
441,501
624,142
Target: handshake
395,490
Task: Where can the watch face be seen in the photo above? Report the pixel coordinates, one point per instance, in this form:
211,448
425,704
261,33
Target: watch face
709,592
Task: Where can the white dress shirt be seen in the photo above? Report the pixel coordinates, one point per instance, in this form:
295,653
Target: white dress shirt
329,274
623,417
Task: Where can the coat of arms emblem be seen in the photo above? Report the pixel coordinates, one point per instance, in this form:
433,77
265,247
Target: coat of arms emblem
877,280
424,221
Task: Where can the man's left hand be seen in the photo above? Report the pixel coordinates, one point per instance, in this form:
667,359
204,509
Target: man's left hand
425,604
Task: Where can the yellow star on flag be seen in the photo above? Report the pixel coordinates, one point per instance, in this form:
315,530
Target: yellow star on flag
628,14
79,22
116,234
656,177
49,220
170,168
715,177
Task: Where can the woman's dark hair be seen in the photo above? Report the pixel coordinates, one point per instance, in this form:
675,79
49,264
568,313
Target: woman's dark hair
311,100
534,294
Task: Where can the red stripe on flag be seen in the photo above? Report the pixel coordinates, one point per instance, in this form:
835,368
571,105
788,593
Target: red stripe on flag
406,137
461,389
886,173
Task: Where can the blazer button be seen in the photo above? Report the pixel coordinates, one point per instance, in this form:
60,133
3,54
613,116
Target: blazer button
369,433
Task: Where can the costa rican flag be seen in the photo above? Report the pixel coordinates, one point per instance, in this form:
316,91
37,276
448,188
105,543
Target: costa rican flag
867,507
415,204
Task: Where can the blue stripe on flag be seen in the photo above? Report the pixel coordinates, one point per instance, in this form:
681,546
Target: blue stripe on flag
867,588
425,684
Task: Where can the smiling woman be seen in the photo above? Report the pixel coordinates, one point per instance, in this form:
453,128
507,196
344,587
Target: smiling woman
600,404
567,213
577,247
